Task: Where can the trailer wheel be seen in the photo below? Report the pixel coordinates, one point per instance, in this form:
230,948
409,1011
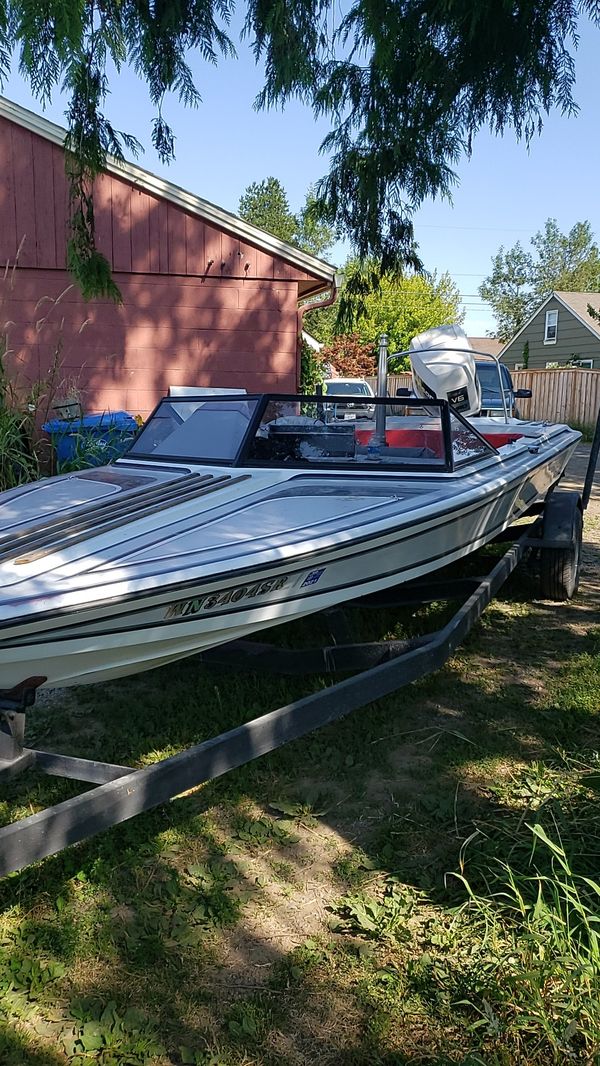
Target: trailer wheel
559,567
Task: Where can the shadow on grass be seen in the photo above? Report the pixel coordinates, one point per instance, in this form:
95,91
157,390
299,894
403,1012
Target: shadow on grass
17,1051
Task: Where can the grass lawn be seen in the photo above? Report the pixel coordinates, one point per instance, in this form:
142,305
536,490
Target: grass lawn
417,883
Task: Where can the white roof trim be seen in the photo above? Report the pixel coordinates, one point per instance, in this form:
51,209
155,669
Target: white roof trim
567,307
593,330
524,327
166,190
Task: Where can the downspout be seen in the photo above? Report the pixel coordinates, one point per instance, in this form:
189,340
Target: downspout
301,313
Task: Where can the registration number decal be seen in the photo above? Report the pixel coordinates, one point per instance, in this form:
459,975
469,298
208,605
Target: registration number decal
220,599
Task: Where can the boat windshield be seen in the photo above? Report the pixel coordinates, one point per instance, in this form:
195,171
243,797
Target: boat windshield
196,429
305,431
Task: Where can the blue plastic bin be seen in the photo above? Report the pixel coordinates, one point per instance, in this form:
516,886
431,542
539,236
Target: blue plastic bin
91,440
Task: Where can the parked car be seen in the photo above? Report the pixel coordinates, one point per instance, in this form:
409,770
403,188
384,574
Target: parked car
350,387
491,398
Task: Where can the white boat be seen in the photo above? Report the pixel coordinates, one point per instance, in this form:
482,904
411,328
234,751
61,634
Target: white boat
233,513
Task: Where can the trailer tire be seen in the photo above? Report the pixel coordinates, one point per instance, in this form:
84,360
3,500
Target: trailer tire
559,567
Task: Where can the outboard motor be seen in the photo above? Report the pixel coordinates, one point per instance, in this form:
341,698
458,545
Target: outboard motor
443,368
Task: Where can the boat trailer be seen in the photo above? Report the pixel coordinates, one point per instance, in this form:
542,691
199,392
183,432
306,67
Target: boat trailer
121,792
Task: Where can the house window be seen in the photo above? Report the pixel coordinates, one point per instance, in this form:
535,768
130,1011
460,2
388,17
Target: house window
551,327
519,366
585,364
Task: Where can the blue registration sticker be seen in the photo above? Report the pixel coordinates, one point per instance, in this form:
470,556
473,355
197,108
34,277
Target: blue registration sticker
313,577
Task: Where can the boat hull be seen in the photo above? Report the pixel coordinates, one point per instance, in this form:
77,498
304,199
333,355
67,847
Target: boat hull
104,641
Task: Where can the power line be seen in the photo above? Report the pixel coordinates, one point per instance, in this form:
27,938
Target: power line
477,229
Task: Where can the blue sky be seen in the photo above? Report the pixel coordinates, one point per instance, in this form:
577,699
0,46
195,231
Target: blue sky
505,192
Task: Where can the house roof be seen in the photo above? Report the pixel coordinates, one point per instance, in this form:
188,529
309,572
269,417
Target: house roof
166,190
486,344
576,303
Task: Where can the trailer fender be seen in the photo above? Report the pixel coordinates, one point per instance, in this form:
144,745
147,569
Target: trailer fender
560,563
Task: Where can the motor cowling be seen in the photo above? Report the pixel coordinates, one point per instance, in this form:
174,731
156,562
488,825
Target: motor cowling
443,368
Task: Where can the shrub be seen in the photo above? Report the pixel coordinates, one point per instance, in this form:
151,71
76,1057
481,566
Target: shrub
311,369
351,357
26,401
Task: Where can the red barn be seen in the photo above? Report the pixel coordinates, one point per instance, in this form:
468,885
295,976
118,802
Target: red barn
207,298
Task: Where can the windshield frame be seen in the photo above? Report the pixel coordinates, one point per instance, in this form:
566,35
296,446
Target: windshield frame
260,402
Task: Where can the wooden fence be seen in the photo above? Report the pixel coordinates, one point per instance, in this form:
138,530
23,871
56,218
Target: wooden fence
571,395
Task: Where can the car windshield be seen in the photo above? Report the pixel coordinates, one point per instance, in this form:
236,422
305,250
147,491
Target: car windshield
348,388
488,377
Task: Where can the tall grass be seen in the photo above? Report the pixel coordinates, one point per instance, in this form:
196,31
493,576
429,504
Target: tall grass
540,933
26,400
18,461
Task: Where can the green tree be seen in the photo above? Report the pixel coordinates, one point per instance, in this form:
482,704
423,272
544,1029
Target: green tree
569,262
400,306
507,289
322,324
405,306
405,86
313,234
312,371
265,204
520,281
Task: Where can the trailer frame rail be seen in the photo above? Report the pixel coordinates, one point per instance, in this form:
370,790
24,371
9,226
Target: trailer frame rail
121,792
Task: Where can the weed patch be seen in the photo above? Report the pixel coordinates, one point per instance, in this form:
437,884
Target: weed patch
384,918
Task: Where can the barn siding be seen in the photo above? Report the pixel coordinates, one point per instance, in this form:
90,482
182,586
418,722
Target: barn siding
25,212
200,306
8,220
168,331
130,222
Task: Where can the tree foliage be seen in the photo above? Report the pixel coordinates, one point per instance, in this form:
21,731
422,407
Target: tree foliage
506,289
265,204
312,370
350,356
566,261
405,86
399,305
313,234
520,280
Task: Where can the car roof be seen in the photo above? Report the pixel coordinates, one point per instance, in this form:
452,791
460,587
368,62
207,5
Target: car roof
484,362
345,381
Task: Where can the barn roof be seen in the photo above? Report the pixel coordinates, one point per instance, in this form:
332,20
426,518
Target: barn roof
188,201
